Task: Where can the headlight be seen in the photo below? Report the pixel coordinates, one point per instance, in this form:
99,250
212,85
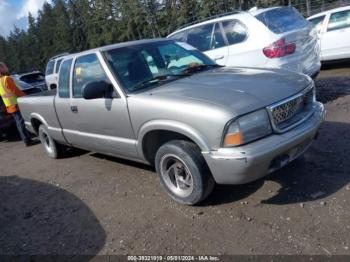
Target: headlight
247,128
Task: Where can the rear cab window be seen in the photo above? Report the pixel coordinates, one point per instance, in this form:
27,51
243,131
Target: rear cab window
339,20
64,79
282,19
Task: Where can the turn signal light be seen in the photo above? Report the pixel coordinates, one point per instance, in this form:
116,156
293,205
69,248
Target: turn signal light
233,139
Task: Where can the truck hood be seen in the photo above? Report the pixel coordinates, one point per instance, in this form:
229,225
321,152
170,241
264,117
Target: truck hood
240,89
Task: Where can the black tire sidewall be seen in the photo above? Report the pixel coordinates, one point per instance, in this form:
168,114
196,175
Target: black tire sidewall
195,163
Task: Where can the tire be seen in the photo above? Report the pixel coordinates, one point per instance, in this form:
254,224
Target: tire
183,172
52,148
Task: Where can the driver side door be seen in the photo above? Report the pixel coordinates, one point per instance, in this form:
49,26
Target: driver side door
102,124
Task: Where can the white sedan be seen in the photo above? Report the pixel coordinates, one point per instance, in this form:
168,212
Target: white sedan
333,27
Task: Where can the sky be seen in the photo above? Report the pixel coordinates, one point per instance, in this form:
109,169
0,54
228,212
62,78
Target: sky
15,12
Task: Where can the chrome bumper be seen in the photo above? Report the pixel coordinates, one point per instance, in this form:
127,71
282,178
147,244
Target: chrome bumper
247,163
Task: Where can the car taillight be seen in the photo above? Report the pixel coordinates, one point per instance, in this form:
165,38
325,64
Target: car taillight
279,49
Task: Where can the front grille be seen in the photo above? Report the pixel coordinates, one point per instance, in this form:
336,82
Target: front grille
287,110
292,111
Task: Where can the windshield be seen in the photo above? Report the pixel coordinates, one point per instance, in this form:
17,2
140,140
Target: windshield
155,63
283,19
22,85
33,78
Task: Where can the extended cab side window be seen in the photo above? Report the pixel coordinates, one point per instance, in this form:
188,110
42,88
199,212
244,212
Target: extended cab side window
63,79
339,20
87,68
235,31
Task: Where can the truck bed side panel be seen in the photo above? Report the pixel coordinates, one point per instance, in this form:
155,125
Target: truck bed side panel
41,108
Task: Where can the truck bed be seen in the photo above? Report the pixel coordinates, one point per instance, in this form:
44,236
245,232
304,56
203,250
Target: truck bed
40,105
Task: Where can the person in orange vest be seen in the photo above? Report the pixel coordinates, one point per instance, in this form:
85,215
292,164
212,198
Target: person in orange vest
9,93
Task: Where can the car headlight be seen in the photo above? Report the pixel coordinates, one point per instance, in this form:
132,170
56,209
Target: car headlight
247,128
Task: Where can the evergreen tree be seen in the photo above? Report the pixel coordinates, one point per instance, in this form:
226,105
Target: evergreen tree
76,25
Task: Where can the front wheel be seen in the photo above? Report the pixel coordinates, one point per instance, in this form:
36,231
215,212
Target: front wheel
183,172
52,148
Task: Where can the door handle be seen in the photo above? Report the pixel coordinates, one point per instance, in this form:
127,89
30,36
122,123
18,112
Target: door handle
219,57
74,109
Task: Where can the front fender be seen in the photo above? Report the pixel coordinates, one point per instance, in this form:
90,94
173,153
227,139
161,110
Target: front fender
174,126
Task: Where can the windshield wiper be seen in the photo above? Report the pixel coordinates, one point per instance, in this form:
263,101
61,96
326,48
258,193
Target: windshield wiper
156,79
198,67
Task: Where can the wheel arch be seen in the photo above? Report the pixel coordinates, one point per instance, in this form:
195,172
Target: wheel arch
36,120
155,133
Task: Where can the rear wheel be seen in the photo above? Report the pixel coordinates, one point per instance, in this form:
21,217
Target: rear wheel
52,148
183,172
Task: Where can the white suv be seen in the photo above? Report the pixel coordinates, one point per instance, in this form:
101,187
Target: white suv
277,37
333,27
51,72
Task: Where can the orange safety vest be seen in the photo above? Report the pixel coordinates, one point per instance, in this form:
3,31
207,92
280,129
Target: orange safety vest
9,99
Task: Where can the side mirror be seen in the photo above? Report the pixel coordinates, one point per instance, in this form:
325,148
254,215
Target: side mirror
97,89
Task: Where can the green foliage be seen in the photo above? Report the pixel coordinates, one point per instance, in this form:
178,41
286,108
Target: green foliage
76,25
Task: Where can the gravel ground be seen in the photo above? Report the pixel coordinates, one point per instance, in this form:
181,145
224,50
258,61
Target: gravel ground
92,204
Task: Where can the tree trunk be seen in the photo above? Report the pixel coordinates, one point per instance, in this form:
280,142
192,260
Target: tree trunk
308,11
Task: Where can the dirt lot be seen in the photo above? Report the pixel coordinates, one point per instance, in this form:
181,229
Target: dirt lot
92,204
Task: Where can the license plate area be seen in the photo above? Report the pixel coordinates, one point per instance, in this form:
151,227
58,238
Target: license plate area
290,155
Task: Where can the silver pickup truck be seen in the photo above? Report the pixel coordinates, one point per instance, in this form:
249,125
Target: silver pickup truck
165,103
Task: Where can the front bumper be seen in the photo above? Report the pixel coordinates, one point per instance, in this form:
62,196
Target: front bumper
247,163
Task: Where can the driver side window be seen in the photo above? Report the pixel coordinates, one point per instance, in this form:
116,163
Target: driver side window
86,69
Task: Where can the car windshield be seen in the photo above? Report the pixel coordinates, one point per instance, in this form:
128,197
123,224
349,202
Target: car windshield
33,78
22,85
282,20
145,65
